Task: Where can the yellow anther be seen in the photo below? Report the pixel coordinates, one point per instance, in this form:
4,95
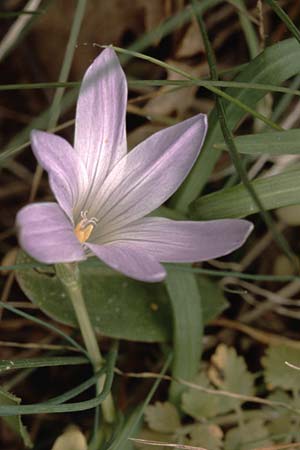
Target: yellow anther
83,231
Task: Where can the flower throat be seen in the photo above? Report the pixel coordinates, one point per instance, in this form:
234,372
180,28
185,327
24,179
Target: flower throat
85,227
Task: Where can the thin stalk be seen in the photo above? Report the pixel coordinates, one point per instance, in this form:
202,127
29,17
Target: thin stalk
69,276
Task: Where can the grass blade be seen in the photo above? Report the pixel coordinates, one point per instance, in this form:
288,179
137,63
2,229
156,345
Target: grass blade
187,327
235,157
274,65
275,192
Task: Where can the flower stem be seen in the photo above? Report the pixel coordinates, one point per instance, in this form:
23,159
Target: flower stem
70,278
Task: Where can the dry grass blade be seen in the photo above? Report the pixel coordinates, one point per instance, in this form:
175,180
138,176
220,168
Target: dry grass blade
19,25
292,365
217,392
260,336
280,447
165,444
39,346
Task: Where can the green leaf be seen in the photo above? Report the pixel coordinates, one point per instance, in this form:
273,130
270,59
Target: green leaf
15,422
213,299
186,303
283,424
119,307
274,65
132,424
207,436
199,404
228,372
13,364
274,192
252,435
283,16
274,143
277,373
162,417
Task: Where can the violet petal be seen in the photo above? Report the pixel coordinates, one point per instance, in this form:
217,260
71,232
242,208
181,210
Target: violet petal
184,241
67,174
46,234
100,127
129,260
150,173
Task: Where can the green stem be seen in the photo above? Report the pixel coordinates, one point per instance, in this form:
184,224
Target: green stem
70,278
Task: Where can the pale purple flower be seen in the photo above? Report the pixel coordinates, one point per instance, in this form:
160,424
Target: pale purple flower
104,193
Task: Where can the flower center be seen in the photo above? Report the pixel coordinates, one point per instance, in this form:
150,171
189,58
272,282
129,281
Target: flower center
84,228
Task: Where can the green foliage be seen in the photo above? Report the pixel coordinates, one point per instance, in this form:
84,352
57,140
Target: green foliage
199,404
285,426
275,143
277,373
275,192
228,372
249,435
186,301
206,435
162,417
15,422
221,421
119,307
274,65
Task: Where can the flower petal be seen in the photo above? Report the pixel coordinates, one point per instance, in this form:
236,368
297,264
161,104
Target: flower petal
150,173
129,260
100,128
184,241
46,233
67,174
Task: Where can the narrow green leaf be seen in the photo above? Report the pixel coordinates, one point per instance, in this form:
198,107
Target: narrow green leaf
208,85
133,421
45,324
47,407
68,395
187,328
67,62
12,14
184,268
234,154
14,422
12,151
285,18
13,364
158,83
274,65
285,100
248,28
46,85
275,192
275,143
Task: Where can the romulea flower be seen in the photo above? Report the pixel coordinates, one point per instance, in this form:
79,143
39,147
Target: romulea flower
105,193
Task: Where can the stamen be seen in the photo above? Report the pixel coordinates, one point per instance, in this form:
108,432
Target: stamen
84,228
